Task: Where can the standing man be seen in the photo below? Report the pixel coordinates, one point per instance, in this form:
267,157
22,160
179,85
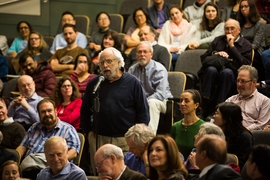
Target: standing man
122,104
158,14
154,79
255,106
59,41
62,61
161,54
23,108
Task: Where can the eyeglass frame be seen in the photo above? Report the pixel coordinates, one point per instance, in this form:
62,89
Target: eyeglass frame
242,81
98,165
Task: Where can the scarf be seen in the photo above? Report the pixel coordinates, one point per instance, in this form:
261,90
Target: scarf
178,30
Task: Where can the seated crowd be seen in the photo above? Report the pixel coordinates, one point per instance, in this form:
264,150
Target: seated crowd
114,96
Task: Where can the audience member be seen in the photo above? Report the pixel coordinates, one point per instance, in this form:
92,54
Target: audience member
13,131
266,63
42,74
5,155
183,131
164,159
160,54
258,163
217,82
62,61
132,39
177,33
23,108
82,72
230,10
60,42
194,12
252,29
36,48
32,145
68,102
158,14
255,106
56,152
228,117
10,170
210,27
122,103
137,138
20,43
210,157
3,68
109,162
263,7
154,79
3,45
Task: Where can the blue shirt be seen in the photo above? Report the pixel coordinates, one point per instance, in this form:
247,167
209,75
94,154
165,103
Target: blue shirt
69,172
59,42
134,163
17,45
20,114
154,79
37,134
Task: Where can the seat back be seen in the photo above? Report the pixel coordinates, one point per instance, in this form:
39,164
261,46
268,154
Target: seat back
49,40
261,136
16,153
175,2
117,22
232,158
9,87
177,82
77,160
128,23
187,3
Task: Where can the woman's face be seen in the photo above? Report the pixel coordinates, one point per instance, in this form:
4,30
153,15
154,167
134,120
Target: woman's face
24,30
66,89
10,172
210,13
82,61
244,8
108,41
218,119
187,104
34,40
176,15
157,155
140,18
103,21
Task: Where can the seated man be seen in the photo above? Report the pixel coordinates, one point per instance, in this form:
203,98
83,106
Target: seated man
56,150
59,41
42,74
23,108
48,126
62,62
216,84
161,54
154,79
210,157
109,160
5,155
255,106
13,131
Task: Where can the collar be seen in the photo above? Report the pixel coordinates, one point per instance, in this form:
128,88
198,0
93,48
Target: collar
7,121
34,97
249,97
59,125
206,169
148,66
154,43
121,173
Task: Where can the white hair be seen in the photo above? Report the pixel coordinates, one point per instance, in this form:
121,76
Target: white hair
117,55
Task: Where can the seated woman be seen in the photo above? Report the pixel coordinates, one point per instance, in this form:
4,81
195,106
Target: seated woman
210,27
177,33
81,75
68,102
252,29
230,10
20,43
164,159
228,117
36,48
10,170
132,38
183,131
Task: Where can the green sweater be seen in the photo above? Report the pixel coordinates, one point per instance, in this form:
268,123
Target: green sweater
184,136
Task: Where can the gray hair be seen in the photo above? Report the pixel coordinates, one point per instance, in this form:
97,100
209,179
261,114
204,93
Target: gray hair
253,73
210,128
140,134
117,151
236,22
54,140
117,55
1,137
148,44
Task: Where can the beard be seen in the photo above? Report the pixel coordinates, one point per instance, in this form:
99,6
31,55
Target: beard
142,61
48,120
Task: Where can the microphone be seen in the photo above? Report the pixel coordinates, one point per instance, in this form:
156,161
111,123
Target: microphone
100,79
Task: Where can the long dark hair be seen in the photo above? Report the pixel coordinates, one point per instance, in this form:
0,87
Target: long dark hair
144,12
114,35
253,16
205,21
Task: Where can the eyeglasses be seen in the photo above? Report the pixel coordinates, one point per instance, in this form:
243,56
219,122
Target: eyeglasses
103,19
98,165
138,16
34,39
229,28
107,61
66,86
24,27
242,81
67,20
244,6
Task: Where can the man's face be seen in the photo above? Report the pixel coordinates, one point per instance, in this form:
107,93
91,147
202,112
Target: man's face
135,149
3,111
26,86
68,19
245,86
56,156
109,65
232,28
143,54
24,30
70,35
200,155
200,2
158,1
103,21
146,35
47,114
29,65
104,165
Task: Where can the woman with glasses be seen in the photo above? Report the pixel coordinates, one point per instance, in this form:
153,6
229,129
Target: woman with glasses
68,102
228,116
19,44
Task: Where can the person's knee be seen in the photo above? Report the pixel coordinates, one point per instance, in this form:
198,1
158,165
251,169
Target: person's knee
211,70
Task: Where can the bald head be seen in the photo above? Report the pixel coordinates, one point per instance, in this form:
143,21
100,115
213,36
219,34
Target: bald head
26,86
